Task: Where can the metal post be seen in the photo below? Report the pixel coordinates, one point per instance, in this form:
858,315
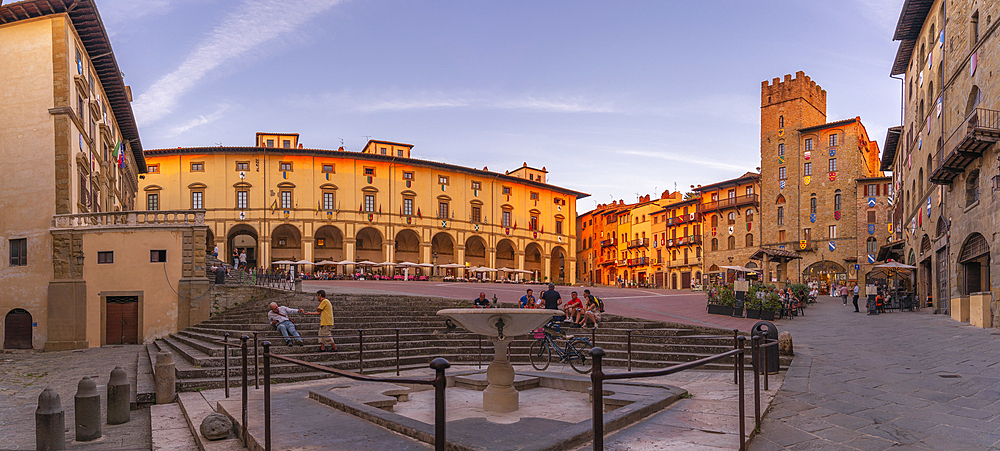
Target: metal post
628,335
244,339
479,359
755,344
736,335
361,351
256,363
267,396
440,383
765,366
593,337
739,370
397,351
597,392
225,360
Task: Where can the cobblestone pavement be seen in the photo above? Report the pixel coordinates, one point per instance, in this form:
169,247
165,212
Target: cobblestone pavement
911,380
23,376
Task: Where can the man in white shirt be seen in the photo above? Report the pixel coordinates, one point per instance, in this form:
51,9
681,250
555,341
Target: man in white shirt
279,318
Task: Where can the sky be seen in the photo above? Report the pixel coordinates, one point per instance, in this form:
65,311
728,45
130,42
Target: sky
614,99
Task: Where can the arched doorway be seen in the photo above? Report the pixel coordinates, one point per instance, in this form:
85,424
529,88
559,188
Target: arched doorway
17,329
475,252
210,243
505,254
328,244
558,265
241,238
824,272
407,246
533,260
443,245
974,262
286,243
369,245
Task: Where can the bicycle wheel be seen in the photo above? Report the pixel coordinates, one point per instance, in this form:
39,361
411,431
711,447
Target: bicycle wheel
579,357
540,354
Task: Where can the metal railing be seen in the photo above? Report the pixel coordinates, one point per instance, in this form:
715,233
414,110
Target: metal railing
641,242
439,382
606,243
145,218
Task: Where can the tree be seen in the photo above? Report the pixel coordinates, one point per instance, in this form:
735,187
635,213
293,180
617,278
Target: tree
691,195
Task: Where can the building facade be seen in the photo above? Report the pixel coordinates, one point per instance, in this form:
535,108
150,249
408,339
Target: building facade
874,218
945,165
281,201
730,212
678,244
809,169
83,270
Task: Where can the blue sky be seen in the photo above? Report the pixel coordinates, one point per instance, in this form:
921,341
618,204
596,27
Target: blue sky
613,98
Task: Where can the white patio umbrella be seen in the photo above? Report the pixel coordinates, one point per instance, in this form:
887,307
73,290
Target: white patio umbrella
895,275
741,268
303,262
345,262
425,265
283,262
367,263
405,264
325,262
386,264
506,269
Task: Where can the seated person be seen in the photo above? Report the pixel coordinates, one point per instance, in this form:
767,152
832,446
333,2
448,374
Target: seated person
591,313
573,309
280,320
481,301
528,300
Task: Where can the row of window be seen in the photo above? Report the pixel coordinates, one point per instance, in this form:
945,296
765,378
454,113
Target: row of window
807,169
731,218
731,242
155,256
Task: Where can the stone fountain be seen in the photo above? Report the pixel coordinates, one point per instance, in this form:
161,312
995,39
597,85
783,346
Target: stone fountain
499,324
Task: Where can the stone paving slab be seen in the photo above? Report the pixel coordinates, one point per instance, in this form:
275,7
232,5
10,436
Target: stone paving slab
24,374
875,382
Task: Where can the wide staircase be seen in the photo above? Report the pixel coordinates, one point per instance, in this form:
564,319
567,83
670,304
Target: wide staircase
370,323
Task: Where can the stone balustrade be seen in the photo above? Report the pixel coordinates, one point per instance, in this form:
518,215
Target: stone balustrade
152,218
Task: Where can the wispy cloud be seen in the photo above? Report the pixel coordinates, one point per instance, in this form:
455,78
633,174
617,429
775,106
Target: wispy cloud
254,23
882,13
684,159
124,13
391,102
219,113
557,105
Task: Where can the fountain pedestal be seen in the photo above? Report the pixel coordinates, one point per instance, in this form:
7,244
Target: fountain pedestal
500,324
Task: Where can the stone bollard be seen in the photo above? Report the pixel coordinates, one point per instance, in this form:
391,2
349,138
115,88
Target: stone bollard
785,343
165,378
50,422
87,411
119,399
215,426
298,285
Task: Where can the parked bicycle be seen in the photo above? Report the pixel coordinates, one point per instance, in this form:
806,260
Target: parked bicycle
576,352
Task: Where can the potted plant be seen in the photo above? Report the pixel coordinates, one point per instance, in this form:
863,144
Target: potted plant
718,303
770,306
728,298
753,304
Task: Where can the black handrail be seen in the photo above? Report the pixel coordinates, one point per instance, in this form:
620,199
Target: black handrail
597,377
439,382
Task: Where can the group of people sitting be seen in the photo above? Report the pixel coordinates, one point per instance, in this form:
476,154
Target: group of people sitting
577,311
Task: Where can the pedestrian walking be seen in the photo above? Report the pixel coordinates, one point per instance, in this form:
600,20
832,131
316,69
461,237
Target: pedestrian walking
236,258
857,290
843,294
243,258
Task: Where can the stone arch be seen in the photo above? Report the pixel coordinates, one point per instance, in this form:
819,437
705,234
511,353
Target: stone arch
241,237
974,263
557,264
407,244
17,329
332,247
505,254
475,252
533,259
286,243
369,245
210,243
443,245
824,271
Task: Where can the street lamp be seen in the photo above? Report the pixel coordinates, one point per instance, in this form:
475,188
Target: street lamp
435,257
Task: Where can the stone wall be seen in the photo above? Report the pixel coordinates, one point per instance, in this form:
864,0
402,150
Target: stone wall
225,297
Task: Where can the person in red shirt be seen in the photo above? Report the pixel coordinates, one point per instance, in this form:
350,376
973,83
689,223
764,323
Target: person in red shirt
573,309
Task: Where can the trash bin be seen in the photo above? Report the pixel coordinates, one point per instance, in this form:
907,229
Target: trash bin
768,330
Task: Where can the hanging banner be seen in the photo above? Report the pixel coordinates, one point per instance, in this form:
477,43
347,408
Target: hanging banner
871,229
812,217
807,179
833,246
833,176
781,184
803,244
836,215
808,154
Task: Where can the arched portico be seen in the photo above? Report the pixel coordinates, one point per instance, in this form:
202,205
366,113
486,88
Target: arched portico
558,265
533,260
286,243
407,246
505,254
369,245
475,251
241,237
328,244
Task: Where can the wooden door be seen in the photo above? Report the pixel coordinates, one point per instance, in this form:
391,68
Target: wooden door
685,280
122,320
17,329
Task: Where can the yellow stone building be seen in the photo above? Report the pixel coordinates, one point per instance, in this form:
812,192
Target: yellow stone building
731,219
80,270
279,200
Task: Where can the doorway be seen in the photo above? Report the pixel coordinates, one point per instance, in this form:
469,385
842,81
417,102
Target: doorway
122,320
17,329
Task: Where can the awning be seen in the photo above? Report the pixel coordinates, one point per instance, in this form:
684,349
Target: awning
774,254
892,250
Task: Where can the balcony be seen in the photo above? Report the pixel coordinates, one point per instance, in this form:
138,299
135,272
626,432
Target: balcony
978,132
643,242
730,202
684,219
642,261
129,219
684,241
608,243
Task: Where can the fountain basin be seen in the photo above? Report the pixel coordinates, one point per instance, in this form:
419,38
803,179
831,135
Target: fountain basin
483,321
